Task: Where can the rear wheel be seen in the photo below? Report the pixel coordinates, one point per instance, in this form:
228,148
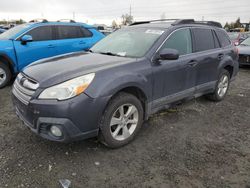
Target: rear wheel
222,87
5,75
121,120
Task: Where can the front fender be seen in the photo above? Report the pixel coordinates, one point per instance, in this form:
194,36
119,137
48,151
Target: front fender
104,86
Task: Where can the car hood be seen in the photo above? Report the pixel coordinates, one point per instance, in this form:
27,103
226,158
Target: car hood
245,50
58,69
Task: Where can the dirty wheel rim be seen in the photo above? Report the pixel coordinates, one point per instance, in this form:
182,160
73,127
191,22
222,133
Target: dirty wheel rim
223,85
124,122
2,76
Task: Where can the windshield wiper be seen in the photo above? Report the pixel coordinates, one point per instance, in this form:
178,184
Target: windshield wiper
110,53
90,51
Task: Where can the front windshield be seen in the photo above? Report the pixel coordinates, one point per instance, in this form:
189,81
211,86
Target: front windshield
246,42
12,32
233,36
128,42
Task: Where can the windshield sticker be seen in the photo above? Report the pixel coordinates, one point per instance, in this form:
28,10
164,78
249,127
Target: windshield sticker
155,32
122,53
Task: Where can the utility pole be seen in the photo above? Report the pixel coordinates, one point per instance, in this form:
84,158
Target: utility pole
130,11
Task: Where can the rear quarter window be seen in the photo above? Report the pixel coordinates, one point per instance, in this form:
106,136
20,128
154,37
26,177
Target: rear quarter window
223,38
203,39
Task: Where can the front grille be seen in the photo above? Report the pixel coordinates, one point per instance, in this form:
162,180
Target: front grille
244,58
24,88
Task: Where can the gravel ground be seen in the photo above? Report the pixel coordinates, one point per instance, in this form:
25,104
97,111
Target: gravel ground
196,144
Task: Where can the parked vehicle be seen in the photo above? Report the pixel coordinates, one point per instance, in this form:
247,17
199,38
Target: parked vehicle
30,42
244,52
2,30
237,38
129,75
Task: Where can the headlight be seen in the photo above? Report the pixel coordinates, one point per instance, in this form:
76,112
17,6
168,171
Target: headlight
68,89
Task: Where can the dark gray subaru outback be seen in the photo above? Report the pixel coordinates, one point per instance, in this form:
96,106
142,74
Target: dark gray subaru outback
109,91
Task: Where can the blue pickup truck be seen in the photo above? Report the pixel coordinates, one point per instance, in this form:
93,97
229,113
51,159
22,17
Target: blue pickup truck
33,41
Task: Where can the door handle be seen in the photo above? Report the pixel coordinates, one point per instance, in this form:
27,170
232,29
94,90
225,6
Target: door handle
220,56
192,63
51,46
82,42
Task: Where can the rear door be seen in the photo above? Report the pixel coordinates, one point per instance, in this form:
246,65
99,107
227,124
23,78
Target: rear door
175,79
72,38
208,55
42,46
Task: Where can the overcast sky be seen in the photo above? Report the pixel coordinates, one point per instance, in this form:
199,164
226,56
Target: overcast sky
104,11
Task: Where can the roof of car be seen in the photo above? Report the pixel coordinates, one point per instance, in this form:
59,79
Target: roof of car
164,24
59,23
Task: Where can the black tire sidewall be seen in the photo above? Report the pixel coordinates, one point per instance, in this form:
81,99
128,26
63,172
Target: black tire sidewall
115,103
8,74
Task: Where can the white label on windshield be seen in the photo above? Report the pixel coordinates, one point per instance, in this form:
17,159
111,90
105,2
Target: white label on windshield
122,53
155,32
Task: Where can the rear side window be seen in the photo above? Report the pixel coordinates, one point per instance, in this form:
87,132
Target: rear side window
41,33
86,32
223,38
69,32
180,40
204,39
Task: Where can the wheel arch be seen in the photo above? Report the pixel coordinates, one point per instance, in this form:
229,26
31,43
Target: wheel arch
7,61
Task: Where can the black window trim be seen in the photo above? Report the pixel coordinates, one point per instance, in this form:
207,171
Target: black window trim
25,33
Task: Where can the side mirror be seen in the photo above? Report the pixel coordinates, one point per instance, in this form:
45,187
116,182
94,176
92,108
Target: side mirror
168,54
26,38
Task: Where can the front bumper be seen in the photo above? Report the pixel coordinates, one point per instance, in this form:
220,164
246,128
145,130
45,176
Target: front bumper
77,118
244,59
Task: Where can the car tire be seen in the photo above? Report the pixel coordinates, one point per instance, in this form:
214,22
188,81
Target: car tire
221,88
5,75
121,120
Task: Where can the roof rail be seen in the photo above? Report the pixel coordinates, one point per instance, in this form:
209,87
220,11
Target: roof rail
192,21
69,20
181,21
39,20
151,21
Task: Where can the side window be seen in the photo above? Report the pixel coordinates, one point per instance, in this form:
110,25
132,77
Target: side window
204,39
86,32
69,32
42,33
180,40
223,38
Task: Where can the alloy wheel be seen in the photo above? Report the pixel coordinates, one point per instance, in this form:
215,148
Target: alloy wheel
124,122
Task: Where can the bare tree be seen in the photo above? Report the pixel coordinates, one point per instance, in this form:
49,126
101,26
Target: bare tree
127,19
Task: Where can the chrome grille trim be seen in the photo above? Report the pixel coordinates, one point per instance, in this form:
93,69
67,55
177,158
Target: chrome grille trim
24,88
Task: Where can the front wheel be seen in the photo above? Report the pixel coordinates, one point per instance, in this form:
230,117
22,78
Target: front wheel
222,87
121,120
5,75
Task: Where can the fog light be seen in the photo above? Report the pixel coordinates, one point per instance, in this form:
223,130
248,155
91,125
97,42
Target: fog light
55,131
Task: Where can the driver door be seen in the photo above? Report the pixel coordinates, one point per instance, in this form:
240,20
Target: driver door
175,79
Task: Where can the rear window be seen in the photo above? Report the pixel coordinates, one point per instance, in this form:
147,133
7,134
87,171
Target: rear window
204,39
41,33
69,32
223,38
